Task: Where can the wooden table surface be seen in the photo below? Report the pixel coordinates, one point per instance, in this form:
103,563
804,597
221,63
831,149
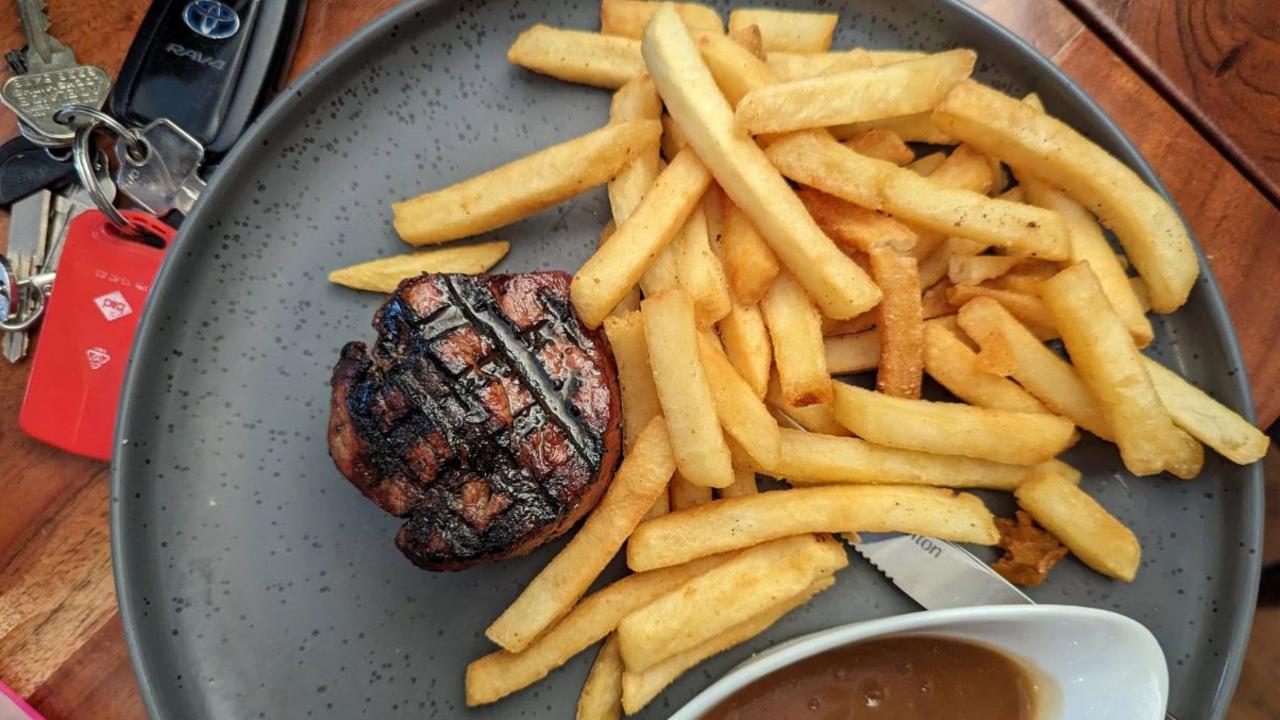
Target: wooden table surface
1193,82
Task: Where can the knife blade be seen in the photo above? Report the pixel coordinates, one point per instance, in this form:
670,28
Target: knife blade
936,573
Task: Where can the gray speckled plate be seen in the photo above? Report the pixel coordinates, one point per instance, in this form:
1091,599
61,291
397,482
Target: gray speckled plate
255,582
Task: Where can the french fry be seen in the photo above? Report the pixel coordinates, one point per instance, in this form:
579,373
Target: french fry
744,586
883,145
934,303
601,697
1034,143
795,327
385,274
631,355
673,139
854,96
746,342
934,252
744,483
1037,369
854,227
900,322
637,100
928,164
1030,310
787,30
1143,295
917,127
627,18
750,38
699,272
501,673
1062,470
742,522
846,354
798,66
631,301
935,266
1206,419
977,269
1018,229
638,689
1109,363
880,58
833,280
862,323
735,68
606,232
742,414
1088,244
713,206
683,391
606,277
814,418
685,495
1007,436
642,476
523,187
810,458
662,274
749,264
819,161
1090,532
949,361
1026,277
575,56
965,168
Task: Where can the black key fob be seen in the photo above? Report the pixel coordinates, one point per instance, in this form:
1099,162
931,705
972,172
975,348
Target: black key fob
26,168
207,65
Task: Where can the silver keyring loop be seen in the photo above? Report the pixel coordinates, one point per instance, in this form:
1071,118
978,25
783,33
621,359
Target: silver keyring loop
80,116
82,159
32,316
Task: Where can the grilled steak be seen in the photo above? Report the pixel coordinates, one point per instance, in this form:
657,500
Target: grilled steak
485,413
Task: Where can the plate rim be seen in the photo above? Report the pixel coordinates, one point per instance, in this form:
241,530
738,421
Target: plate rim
1252,522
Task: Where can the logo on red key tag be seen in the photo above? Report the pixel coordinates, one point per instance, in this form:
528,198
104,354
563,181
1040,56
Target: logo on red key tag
103,281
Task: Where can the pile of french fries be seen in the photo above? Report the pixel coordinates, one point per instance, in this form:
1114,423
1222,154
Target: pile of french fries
772,227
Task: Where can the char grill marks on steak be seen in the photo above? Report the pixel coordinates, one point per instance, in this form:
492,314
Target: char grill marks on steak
485,413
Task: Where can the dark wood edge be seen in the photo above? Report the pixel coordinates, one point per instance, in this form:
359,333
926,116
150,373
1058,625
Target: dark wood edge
1115,38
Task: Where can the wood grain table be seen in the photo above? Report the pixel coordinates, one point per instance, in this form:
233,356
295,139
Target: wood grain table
1195,84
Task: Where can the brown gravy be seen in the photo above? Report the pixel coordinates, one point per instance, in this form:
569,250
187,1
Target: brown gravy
894,678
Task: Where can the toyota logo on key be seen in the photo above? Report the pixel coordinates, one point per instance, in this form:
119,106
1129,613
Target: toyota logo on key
212,19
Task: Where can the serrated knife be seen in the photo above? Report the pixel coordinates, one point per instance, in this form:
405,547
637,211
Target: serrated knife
937,574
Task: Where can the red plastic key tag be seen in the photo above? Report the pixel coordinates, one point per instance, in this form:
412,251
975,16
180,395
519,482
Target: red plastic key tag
103,281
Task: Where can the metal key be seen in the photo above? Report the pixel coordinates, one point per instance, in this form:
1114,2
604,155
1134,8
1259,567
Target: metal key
167,177
54,80
28,234
67,206
40,261
8,290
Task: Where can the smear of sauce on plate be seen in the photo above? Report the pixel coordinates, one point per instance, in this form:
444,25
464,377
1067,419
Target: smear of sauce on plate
894,678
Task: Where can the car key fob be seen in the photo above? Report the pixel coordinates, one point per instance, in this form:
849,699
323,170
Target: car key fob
207,65
103,280
25,169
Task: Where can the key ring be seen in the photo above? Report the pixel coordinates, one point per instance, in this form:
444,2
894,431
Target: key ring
42,285
83,115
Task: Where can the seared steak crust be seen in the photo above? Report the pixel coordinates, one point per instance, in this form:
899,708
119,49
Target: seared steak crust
485,413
